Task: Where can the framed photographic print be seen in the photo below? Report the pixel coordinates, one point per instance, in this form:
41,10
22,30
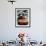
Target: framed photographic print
22,17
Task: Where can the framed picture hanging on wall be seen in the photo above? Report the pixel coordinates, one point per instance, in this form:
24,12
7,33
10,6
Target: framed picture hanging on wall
22,17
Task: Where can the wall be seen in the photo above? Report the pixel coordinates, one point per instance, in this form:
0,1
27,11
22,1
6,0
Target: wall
37,31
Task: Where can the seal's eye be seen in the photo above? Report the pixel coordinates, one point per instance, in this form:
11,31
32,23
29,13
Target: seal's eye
19,14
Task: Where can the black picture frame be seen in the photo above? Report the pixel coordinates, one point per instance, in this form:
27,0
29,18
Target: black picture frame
19,22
